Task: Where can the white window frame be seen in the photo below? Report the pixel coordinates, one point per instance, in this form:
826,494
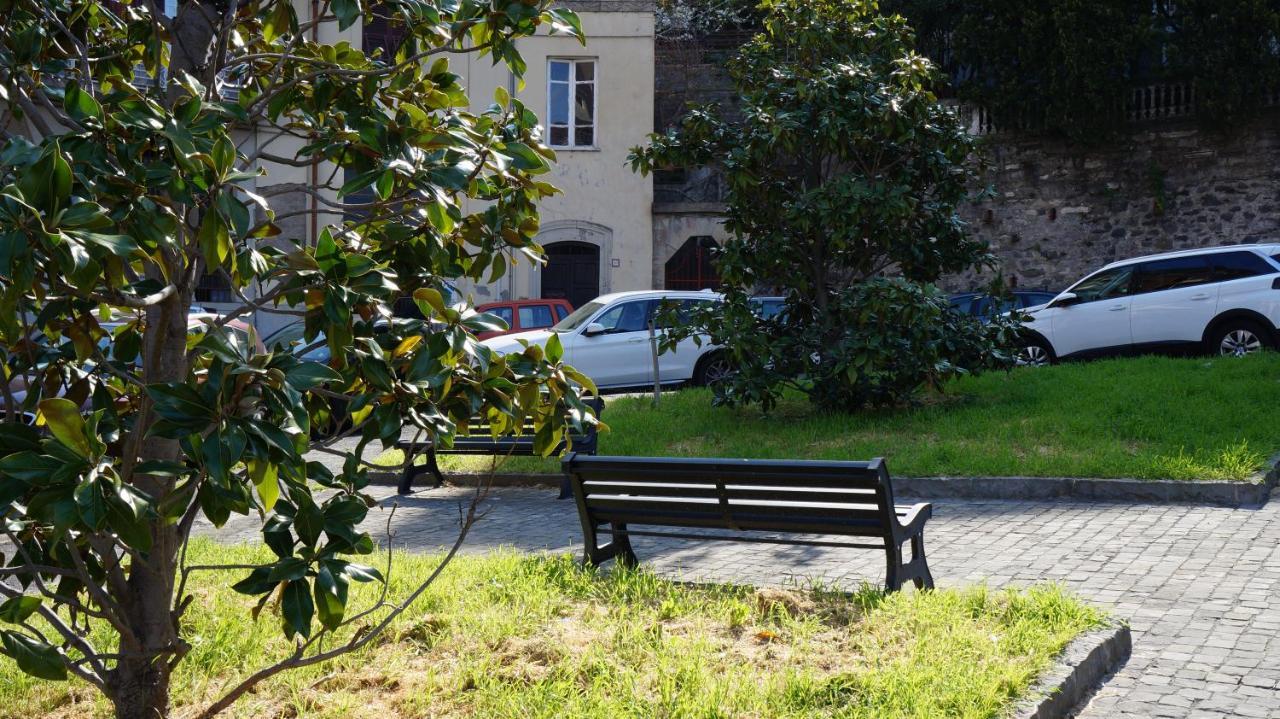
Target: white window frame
572,95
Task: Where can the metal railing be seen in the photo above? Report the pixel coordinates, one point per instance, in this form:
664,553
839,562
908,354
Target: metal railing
1146,103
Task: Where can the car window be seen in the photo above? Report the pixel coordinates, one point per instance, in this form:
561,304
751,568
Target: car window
561,312
1170,274
535,316
578,317
1238,265
770,309
1031,299
502,312
1104,285
965,304
683,308
626,317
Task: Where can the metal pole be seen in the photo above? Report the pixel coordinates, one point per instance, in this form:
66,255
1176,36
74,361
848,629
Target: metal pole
653,347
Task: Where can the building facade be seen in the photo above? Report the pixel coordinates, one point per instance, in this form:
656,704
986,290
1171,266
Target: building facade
595,103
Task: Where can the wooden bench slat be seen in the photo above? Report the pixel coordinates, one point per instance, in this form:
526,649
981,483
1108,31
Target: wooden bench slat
766,478
677,488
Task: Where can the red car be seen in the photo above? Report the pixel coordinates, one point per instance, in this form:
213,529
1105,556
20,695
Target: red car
525,315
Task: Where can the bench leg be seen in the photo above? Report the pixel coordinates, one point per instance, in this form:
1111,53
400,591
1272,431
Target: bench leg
915,571
619,547
893,569
434,467
566,488
919,566
410,472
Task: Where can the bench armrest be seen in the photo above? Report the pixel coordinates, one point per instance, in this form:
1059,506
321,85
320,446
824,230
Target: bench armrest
913,523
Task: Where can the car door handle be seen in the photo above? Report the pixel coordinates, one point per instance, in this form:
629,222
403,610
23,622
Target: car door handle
1201,296
1118,308
636,340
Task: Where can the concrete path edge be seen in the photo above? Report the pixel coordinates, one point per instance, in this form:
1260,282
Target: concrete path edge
1253,492
1077,674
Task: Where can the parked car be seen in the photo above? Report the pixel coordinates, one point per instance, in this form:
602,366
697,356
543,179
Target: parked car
768,307
607,339
980,304
525,315
1220,300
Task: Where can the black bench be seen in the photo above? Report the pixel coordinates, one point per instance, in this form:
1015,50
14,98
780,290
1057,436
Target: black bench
753,498
477,439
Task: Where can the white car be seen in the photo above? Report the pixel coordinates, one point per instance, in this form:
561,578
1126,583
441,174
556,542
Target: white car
607,339
1221,300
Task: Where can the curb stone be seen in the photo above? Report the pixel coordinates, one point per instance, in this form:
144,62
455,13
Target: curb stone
1252,492
1080,669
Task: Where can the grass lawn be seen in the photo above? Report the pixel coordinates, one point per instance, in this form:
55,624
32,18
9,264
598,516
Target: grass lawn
1148,417
506,635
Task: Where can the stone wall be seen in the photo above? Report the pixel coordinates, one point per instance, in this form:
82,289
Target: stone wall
1059,212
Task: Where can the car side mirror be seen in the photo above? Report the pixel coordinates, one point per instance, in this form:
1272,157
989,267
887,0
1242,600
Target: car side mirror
1066,299
593,329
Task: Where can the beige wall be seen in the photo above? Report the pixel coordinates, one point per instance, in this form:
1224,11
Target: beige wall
603,202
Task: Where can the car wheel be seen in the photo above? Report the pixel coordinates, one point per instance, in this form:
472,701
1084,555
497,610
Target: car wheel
1237,338
1035,352
713,369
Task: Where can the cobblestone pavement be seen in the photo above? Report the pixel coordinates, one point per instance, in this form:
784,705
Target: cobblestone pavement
1200,586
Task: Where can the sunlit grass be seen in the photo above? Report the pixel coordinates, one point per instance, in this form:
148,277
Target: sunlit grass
507,635
1147,418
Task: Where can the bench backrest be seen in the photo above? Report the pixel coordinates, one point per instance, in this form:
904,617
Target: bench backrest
847,498
478,426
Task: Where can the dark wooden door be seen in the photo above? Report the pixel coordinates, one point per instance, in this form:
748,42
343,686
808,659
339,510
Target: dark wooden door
572,272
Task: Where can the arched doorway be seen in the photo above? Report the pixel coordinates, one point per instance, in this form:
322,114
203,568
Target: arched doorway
572,272
690,268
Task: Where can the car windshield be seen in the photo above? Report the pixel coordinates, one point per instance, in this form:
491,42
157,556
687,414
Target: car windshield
579,317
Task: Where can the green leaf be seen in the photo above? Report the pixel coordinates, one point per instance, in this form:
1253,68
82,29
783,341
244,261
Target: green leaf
306,375
309,523
180,403
347,12
362,573
214,239
33,656
265,476
386,184
224,155
555,350
91,502
46,184
30,467
296,608
79,104
326,251
64,420
331,597
118,245
15,610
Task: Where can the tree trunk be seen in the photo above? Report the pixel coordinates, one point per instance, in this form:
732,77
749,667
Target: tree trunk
139,684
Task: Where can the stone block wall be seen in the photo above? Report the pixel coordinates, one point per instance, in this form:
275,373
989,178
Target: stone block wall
1060,212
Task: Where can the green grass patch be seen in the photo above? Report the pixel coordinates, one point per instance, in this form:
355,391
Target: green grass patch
1147,418
508,635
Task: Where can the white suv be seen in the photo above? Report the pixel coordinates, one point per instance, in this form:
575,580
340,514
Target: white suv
1224,300
607,339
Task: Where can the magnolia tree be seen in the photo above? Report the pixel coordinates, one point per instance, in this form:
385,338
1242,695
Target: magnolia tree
127,174
843,174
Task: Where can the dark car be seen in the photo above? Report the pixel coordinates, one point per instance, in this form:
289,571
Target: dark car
980,304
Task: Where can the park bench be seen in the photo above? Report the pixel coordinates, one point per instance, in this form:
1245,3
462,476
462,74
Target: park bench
746,500
479,440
